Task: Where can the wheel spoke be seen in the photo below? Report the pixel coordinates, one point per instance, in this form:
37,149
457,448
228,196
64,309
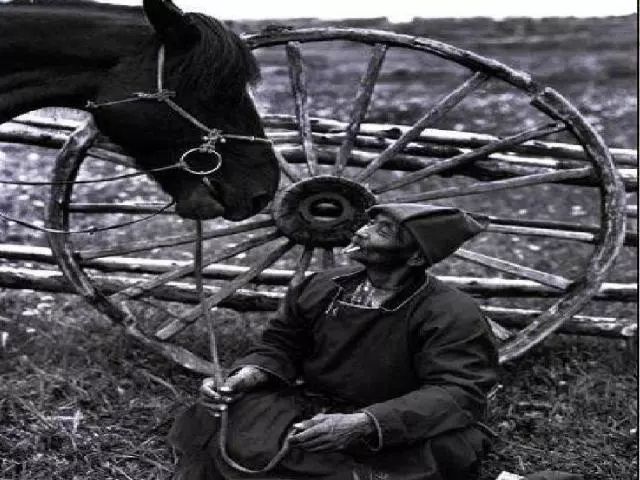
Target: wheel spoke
328,258
361,105
494,287
174,353
172,241
460,160
147,286
298,78
431,117
575,232
612,327
585,237
484,187
303,266
175,326
548,279
285,167
550,224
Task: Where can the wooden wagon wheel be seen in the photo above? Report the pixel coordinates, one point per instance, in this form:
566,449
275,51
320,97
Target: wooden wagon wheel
324,196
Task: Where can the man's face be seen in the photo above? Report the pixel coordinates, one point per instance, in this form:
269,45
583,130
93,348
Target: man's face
381,241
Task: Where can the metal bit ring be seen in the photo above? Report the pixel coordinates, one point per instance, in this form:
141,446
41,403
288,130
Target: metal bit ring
202,149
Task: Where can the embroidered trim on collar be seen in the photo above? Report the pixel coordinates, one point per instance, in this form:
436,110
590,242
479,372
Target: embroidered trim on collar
336,297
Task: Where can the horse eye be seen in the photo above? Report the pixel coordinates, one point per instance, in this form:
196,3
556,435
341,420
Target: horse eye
384,230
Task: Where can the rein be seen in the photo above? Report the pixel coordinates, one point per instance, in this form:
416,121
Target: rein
220,409
91,229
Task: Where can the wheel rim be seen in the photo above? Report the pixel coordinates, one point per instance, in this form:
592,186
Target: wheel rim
298,209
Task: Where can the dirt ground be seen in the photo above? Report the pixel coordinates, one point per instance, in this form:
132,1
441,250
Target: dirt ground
78,400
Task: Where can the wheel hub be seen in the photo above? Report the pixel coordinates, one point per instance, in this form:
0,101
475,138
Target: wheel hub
322,211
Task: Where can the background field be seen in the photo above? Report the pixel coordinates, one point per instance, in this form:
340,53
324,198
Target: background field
79,401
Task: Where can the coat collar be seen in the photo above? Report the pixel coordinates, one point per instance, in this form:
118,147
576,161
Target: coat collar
352,277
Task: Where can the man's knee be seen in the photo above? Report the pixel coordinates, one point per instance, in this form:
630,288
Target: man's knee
192,429
258,423
459,454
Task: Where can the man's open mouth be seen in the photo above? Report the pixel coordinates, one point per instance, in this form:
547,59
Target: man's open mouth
352,247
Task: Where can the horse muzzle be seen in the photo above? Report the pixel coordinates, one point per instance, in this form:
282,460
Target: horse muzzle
199,203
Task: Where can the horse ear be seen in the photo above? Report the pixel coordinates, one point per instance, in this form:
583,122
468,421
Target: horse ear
169,22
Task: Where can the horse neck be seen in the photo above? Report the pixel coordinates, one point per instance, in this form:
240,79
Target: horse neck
54,55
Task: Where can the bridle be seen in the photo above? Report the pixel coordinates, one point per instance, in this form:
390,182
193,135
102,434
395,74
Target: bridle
211,137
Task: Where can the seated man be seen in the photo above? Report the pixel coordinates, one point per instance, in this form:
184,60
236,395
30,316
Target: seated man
396,367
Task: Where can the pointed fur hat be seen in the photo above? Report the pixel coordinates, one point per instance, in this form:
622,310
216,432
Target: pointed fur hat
439,230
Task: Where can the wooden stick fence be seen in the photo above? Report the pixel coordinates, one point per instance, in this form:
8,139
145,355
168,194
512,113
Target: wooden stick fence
248,300
481,287
529,158
28,127
355,147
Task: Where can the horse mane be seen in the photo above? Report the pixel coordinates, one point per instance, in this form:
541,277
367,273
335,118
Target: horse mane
218,66
220,62
215,68
88,4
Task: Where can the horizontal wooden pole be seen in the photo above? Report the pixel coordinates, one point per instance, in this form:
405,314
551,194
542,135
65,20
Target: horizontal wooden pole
53,281
622,156
42,121
144,265
148,244
496,166
11,132
480,287
246,300
521,226
416,157
286,137
426,149
579,324
502,287
111,154
550,229
484,169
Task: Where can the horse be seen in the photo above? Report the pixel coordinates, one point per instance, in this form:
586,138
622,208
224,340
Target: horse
82,55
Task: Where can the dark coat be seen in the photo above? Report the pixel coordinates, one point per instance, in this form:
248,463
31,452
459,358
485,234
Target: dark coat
420,366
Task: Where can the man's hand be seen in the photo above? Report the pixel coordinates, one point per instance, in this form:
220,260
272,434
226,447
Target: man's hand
245,379
328,432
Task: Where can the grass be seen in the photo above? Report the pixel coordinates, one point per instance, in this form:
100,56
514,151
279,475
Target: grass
78,400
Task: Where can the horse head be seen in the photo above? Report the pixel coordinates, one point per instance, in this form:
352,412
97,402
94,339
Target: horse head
70,55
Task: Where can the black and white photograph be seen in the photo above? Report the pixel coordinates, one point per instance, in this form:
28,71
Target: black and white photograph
318,240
